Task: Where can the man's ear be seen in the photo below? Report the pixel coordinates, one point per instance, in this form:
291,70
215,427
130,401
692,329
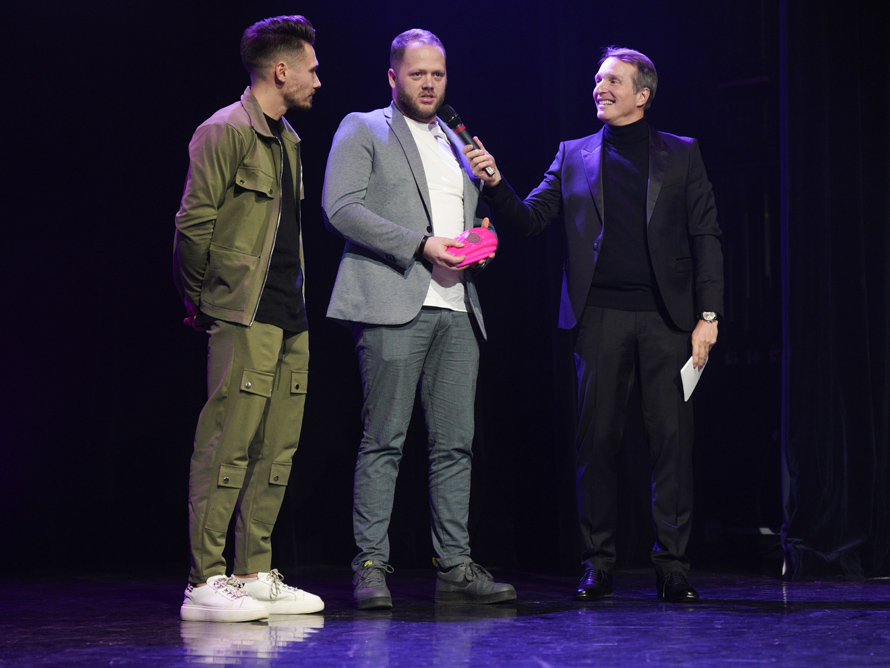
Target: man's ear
279,72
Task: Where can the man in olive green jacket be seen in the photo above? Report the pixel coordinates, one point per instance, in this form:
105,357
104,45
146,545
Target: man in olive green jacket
238,266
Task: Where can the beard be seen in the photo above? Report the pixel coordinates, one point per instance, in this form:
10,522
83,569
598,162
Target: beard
298,104
299,99
415,111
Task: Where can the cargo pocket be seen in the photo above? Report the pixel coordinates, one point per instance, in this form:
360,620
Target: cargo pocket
268,503
231,476
280,474
229,481
257,382
298,381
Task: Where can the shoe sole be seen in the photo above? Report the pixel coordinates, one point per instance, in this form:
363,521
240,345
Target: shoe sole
293,607
663,599
585,598
463,597
377,603
194,613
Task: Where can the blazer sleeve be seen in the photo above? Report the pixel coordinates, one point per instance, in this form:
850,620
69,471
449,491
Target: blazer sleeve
348,175
705,235
543,205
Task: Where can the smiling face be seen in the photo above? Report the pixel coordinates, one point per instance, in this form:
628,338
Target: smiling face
616,101
418,82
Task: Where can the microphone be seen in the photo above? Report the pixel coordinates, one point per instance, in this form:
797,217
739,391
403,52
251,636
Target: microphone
452,120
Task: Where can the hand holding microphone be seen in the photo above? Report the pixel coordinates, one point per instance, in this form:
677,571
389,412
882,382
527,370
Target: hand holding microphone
480,160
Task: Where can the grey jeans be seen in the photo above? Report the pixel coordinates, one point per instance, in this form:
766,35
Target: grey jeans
437,351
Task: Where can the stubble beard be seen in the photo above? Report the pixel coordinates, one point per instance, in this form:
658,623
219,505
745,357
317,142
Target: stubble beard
415,111
299,101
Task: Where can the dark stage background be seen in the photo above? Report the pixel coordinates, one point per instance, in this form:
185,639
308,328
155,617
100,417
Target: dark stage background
104,383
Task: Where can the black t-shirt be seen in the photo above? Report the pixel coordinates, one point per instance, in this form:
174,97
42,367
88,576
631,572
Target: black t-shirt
281,303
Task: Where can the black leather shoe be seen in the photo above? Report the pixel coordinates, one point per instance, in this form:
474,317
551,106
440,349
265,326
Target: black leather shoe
673,588
595,584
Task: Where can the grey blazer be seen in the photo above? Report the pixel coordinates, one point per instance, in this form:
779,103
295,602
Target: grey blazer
376,198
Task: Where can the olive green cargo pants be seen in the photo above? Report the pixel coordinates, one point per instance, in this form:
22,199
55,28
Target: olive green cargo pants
246,437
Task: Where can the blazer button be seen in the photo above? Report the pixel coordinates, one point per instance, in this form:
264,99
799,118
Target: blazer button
247,385
275,479
226,480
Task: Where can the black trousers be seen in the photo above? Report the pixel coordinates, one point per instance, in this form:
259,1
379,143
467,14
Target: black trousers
610,347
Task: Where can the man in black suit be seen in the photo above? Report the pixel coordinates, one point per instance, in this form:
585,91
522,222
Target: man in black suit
642,290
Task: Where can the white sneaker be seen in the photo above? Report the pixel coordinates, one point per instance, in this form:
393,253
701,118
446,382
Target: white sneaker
222,599
279,598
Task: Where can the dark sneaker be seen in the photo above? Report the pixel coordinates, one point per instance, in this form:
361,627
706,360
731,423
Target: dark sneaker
370,590
470,583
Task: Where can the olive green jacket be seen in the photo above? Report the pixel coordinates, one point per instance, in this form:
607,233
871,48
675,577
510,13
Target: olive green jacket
230,211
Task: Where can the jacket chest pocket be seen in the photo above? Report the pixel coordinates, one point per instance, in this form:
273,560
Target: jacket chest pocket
255,180
250,209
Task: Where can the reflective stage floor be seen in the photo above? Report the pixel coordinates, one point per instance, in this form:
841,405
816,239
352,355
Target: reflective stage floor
51,620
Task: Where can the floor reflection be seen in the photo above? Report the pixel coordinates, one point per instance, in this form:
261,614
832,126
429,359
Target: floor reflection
752,619
219,643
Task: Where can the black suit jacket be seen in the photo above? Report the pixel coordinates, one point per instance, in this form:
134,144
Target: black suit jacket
682,229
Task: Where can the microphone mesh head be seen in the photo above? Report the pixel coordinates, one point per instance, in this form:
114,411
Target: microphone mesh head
447,114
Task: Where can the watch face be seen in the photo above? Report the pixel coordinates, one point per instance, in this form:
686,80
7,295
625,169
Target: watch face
708,316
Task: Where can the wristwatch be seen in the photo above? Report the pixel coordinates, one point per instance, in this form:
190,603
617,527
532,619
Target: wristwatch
708,316
419,252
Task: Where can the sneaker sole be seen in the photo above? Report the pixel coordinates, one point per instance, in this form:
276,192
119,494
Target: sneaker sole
194,613
377,603
293,607
464,597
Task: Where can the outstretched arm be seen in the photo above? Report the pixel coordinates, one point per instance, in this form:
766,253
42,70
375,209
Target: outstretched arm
529,217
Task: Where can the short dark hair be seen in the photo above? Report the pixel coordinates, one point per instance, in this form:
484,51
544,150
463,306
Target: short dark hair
271,38
644,77
401,42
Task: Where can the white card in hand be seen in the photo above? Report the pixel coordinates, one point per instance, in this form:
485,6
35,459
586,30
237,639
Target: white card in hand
690,375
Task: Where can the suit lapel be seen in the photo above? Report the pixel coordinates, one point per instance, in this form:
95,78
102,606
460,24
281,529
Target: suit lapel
658,159
403,134
592,157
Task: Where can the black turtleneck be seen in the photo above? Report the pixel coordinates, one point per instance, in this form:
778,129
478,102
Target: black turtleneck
623,278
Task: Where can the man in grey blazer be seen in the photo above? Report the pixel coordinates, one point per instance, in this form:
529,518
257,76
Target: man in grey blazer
398,191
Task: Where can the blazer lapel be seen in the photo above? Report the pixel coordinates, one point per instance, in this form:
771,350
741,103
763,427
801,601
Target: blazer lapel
403,133
592,157
658,159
